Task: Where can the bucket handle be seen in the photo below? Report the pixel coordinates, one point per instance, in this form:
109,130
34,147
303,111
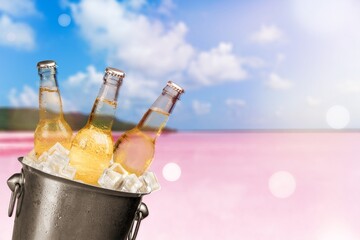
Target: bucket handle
15,183
141,213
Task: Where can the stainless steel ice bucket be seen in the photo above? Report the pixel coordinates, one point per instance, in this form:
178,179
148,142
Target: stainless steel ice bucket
53,208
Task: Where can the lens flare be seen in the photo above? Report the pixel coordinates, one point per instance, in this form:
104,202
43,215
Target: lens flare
64,20
337,117
171,172
282,184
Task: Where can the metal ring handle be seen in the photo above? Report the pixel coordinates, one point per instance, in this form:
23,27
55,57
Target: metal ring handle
15,183
14,195
141,213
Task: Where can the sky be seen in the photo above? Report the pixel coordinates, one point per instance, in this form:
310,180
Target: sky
243,64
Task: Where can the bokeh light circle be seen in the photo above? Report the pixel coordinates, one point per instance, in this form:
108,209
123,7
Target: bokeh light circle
64,20
171,172
337,117
282,184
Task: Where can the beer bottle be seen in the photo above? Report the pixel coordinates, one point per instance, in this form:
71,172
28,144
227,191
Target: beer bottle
134,150
52,127
92,147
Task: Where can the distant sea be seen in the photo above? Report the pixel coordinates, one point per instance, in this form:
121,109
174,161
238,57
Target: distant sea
238,185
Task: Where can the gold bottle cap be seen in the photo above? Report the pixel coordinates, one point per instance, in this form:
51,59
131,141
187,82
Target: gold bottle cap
175,87
115,72
46,64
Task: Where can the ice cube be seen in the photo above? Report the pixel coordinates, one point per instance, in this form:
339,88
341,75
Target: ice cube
43,157
29,158
144,188
27,161
56,164
45,167
68,172
32,154
111,179
58,147
60,156
131,183
150,182
31,162
116,167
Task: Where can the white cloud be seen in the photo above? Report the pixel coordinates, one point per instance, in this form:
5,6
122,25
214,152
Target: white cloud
137,86
235,106
253,62
26,98
69,106
136,4
278,83
18,8
132,39
201,108
313,101
280,58
150,47
82,88
85,85
29,98
231,102
133,84
216,66
86,80
166,7
14,34
349,87
267,34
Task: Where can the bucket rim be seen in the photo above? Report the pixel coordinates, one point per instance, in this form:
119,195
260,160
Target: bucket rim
79,184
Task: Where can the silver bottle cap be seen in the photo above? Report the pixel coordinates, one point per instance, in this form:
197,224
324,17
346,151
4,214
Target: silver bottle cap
115,72
46,64
175,87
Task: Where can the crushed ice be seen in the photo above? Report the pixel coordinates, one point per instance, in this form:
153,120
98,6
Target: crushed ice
55,161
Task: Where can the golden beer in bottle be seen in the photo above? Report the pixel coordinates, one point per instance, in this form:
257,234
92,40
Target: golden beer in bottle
134,150
92,147
52,127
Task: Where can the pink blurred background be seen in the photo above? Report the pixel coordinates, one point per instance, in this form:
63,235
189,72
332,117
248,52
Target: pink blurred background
239,185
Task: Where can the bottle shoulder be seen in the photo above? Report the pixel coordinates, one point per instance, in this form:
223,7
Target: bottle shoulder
135,134
92,133
54,124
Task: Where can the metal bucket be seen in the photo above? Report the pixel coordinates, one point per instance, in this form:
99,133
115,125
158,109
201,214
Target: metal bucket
54,208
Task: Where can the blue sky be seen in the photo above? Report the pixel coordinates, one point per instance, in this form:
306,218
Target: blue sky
244,64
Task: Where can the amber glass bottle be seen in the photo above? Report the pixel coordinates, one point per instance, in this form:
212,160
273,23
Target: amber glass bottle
134,150
52,127
92,147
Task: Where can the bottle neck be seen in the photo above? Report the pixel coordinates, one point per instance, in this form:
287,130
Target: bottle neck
103,111
50,105
155,119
